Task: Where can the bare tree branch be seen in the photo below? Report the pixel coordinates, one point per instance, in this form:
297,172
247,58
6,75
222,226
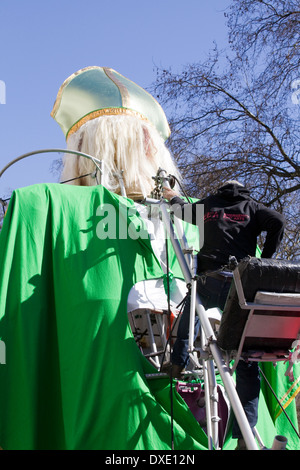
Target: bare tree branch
232,117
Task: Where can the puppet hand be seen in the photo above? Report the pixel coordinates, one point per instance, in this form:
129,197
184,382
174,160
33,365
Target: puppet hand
168,193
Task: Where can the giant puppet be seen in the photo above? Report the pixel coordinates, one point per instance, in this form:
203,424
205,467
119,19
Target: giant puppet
106,115
72,376
74,259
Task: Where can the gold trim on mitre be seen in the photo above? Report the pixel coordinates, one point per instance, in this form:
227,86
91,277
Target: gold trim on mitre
101,91
104,112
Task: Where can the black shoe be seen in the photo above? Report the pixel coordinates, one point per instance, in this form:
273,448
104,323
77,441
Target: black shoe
241,445
176,371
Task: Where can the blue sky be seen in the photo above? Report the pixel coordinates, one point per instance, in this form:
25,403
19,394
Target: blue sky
42,43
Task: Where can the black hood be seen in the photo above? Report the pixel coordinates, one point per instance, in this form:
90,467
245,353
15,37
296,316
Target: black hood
233,191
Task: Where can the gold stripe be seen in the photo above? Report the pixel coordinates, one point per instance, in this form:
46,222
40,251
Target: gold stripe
290,389
112,75
103,112
287,403
290,399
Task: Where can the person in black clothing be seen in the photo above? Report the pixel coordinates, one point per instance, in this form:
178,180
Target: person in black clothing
232,223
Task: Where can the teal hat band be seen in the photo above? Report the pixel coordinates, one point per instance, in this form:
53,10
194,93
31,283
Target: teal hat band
100,91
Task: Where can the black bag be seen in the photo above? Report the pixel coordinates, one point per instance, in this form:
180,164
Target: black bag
257,274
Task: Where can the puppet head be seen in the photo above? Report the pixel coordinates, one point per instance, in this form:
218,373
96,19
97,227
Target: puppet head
104,114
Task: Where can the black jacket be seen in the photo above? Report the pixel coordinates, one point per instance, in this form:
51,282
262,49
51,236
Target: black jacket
232,223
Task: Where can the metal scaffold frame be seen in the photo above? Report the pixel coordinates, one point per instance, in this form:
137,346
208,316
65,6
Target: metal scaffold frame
208,336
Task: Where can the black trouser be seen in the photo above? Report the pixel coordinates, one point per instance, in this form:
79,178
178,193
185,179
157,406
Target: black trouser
213,293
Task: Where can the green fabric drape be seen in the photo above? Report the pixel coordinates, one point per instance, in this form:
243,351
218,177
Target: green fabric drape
74,377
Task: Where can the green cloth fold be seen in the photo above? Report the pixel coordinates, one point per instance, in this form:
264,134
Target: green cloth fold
74,377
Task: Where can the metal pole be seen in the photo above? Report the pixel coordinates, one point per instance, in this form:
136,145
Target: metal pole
98,163
211,340
214,399
207,399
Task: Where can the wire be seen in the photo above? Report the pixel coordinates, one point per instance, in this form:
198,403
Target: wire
169,319
276,398
182,189
172,327
3,202
96,161
76,178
